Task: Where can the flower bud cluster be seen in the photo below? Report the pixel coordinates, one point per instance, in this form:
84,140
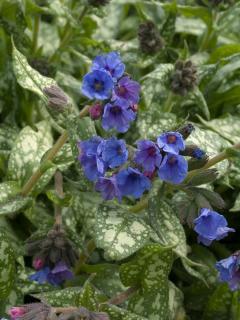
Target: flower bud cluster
53,256
114,92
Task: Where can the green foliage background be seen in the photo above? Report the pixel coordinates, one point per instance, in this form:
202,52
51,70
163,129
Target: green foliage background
44,42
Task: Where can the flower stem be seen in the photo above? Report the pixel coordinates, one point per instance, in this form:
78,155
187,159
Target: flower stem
50,156
169,102
59,190
36,26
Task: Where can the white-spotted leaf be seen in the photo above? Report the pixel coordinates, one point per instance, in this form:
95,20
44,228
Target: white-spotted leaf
118,232
27,77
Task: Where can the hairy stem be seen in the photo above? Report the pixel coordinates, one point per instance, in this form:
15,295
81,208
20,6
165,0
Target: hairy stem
50,156
59,190
123,296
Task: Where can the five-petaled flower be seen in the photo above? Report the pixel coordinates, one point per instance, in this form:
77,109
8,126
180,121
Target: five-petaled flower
173,168
97,84
148,155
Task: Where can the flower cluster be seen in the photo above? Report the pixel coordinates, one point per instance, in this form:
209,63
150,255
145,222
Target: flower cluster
98,156
53,256
116,94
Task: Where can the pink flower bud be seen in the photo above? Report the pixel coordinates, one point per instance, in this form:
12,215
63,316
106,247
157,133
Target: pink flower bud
16,312
134,107
150,175
96,111
38,263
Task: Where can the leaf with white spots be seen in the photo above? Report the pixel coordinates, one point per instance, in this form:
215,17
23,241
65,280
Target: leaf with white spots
61,298
118,232
7,266
167,225
147,267
79,129
117,313
88,297
176,308
10,201
28,150
27,77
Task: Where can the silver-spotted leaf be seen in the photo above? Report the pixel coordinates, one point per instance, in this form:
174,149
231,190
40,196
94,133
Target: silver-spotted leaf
28,77
118,232
7,266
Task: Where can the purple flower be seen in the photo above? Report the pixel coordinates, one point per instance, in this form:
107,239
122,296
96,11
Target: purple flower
108,188
127,89
40,276
229,271
173,168
97,84
90,159
114,152
132,182
148,155
59,274
117,115
210,226
171,142
111,63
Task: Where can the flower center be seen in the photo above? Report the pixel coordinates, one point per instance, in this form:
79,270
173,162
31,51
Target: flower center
116,110
98,85
151,151
172,160
171,138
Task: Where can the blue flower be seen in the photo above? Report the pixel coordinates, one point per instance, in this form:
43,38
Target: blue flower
198,153
97,84
132,182
113,152
117,115
173,168
148,155
127,89
229,271
108,188
59,274
210,226
90,159
111,63
40,276
171,142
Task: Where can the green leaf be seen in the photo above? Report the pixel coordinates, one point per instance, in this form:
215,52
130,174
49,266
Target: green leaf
176,297
227,127
7,266
27,77
117,313
62,202
79,129
199,12
153,122
88,297
27,152
167,225
119,232
61,298
219,303
144,269
224,51
199,99
236,206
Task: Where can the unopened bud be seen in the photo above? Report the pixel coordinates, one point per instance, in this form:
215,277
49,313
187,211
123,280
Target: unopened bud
38,263
16,312
150,40
186,130
57,99
193,151
184,77
197,164
96,111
